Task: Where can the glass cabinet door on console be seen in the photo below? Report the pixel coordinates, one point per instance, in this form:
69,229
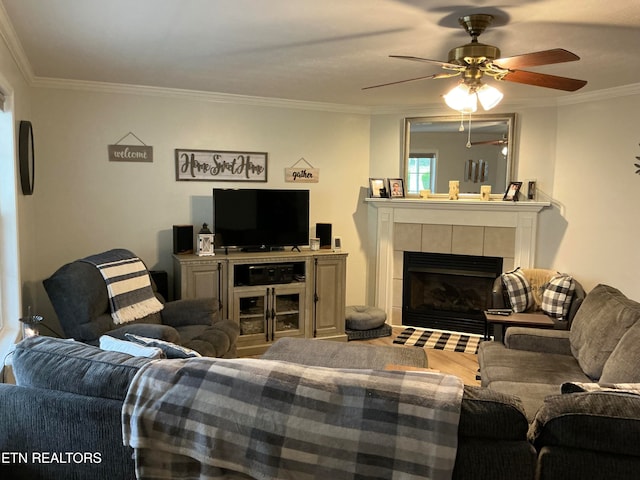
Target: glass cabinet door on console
265,313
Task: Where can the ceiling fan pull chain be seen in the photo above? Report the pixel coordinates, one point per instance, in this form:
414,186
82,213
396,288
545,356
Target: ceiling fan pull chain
461,128
469,133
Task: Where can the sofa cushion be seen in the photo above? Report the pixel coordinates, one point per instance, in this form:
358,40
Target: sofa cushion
623,364
603,318
518,290
557,295
498,363
531,394
70,366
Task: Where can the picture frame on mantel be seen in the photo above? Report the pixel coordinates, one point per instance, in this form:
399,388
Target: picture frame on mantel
511,194
396,188
377,188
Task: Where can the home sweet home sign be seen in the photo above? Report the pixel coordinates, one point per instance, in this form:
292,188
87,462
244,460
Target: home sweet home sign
221,166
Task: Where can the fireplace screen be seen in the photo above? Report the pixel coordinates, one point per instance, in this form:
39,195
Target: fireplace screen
446,291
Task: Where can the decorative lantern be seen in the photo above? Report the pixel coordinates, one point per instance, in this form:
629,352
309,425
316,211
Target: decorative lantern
31,325
205,241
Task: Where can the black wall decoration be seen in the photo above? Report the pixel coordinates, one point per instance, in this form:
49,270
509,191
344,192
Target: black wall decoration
26,157
637,165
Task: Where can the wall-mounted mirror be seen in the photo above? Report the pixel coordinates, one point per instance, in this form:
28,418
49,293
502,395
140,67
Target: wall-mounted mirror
475,152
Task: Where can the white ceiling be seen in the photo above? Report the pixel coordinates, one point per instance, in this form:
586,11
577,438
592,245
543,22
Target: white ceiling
316,50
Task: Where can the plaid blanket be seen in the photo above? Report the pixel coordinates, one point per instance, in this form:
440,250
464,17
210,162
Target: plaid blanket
130,294
264,419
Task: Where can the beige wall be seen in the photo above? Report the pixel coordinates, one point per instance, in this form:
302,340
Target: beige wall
593,229
581,154
15,209
86,204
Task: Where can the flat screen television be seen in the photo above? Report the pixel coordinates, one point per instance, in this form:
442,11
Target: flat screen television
260,219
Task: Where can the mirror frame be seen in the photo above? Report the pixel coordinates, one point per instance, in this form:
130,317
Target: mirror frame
509,118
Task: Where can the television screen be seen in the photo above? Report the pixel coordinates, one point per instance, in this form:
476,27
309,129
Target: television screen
260,219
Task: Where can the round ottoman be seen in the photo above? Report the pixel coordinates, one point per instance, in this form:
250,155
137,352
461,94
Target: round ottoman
363,321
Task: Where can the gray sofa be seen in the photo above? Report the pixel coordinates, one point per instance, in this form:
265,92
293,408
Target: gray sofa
590,434
70,395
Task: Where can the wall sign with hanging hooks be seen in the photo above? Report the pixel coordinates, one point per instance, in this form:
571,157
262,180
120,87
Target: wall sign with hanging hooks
130,153
295,174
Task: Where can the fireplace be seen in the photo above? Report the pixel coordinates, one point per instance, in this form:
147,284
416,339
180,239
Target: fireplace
448,291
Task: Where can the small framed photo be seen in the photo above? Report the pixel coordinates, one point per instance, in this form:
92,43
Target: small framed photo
396,188
511,194
377,188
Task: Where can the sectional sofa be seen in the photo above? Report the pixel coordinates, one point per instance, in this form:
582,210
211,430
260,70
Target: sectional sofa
69,400
580,388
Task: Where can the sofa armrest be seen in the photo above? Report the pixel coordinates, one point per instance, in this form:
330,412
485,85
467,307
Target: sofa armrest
490,415
598,421
39,422
151,330
538,340
196,311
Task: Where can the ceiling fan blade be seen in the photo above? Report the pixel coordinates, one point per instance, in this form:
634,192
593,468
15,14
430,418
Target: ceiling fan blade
546,57
436,75
544,80
426,60
491,142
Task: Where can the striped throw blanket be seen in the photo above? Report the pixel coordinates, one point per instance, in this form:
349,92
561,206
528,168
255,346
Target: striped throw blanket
211,418
130,293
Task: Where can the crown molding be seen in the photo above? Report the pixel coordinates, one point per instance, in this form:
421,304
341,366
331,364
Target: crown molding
14,46
604,94
196,95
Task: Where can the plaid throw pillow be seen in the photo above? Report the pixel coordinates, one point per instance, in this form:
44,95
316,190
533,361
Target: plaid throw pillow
557,295
518,290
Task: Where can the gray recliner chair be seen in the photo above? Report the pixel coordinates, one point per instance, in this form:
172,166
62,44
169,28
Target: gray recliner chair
80,299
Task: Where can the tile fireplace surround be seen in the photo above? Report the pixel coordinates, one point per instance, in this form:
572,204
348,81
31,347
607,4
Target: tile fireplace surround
468,227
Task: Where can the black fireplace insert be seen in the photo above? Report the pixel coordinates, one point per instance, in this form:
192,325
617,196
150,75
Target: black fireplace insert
448,291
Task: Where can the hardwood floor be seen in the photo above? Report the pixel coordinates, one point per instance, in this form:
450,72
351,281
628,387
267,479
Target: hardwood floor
463,365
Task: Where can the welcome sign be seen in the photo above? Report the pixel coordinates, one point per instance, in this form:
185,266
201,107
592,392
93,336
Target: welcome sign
221,166
130,153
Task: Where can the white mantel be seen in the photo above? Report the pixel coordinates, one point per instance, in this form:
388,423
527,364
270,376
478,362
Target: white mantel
385,213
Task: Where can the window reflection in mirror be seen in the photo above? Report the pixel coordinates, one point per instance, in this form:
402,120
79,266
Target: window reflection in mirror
437,151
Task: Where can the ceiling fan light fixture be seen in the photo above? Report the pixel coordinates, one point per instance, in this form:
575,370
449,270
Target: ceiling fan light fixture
489,96
462,99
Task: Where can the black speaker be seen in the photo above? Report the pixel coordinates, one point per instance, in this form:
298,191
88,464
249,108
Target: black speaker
323,232
182,239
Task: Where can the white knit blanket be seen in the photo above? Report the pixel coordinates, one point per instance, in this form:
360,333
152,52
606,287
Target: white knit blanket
130,293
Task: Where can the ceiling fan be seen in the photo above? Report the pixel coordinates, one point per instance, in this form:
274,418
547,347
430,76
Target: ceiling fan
502,141
474,60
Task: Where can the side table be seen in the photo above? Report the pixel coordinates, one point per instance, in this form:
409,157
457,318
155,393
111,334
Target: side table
502,322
